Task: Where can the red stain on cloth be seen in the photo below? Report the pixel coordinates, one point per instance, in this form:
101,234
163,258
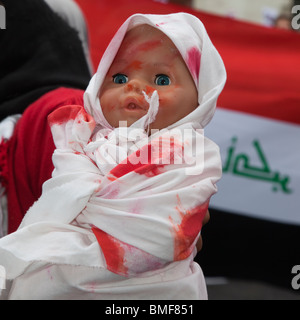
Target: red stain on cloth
30,151
150,160
113,251
186,232
139,162
124,259
71,112
194,61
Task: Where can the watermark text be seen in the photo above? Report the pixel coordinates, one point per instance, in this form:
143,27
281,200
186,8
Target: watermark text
2,17
2,277
296,19
167,147
296,279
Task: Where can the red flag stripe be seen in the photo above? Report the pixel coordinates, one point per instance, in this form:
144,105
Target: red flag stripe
261,62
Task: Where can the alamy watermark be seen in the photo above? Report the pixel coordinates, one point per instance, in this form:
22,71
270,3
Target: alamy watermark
163,147
2,17
296,279
2,277
296,18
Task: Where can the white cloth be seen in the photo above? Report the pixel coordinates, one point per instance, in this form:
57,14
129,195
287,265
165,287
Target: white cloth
111,224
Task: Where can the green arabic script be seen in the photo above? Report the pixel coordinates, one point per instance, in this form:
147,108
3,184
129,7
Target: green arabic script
239,164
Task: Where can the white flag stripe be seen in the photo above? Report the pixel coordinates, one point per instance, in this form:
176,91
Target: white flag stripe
261,164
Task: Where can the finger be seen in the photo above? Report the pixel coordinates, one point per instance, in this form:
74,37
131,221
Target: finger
206,218
199,244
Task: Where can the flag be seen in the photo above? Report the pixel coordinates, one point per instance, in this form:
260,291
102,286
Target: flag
255,216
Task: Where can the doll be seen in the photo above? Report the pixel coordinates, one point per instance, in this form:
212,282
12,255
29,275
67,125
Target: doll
122,213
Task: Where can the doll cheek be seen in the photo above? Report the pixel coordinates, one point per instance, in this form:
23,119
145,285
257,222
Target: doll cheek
106,103
168,97
111,107
107,107
164,101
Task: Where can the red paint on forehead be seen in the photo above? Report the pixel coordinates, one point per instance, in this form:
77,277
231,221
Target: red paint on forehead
135,44
193,60
135,65
145,46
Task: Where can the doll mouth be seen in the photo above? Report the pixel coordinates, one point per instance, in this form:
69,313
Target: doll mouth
132,104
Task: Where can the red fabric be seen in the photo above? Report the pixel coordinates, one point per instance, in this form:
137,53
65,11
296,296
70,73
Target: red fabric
3,164
262,63
30,152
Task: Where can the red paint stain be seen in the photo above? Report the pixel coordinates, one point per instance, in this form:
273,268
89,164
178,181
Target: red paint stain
150,160
129,87
135,65
113,251
139,162
160,24
71,112
193,61
149,90
111,178
186,232
148,45
136,260
150,170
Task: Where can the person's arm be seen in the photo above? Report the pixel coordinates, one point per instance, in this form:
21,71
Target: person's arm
30,153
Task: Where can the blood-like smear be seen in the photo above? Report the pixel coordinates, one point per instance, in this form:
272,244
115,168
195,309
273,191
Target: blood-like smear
125,259
135,65
150,160
146,46
186,232
113,251
160,24
149,90
194,61
139,162
71,112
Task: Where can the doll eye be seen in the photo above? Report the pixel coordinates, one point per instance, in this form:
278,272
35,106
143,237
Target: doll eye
162,80
120,78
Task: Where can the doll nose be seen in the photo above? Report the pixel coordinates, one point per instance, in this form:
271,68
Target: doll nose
134,85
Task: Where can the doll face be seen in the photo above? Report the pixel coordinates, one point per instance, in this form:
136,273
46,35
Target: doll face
147,61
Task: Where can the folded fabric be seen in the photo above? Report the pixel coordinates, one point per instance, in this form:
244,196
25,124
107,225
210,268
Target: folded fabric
136,218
